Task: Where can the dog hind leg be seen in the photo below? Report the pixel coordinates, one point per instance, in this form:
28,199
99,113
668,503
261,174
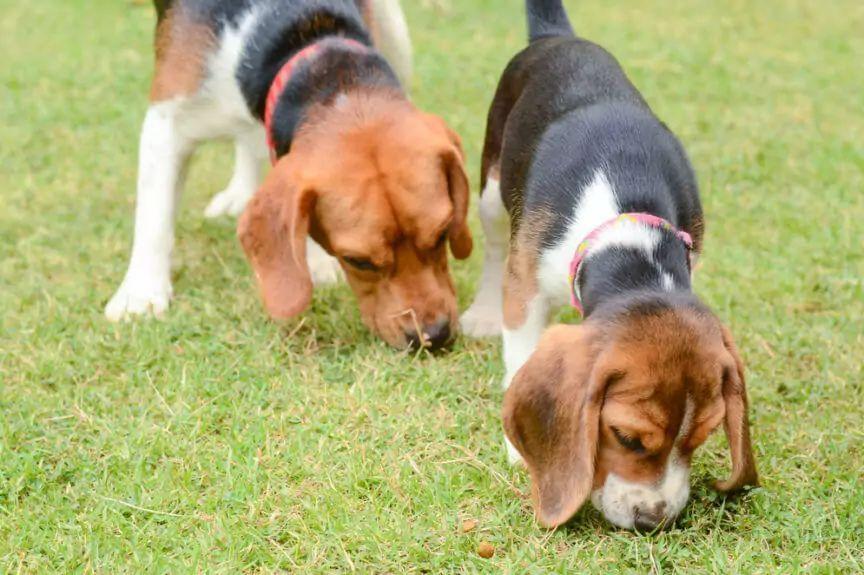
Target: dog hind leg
250,153
389,28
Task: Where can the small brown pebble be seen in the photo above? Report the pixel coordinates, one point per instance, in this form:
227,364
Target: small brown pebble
469,525
485,550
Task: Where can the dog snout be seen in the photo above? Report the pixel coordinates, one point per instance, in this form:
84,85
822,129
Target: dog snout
434,336
650,517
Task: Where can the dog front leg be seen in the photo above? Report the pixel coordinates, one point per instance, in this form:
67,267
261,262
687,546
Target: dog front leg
163,156
484,317
526,313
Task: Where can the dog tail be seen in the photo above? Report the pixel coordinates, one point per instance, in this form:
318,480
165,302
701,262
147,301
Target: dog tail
386,22
546,19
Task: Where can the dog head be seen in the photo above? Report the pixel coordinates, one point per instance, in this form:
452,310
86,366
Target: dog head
615,407
382,187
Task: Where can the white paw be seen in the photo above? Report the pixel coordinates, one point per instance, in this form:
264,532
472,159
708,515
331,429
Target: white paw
513,456
135,298
481,320
323,267
231,202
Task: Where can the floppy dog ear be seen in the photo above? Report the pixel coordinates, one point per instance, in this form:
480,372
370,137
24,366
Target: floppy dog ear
552,416
273,232
461,242
736,424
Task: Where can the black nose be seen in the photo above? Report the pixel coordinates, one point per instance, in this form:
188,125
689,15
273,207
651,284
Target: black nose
649,519
434,337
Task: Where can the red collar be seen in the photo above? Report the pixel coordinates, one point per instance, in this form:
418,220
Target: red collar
584,247
280,82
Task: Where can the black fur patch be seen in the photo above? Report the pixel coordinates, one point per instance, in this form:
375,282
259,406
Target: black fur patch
283,28
287,28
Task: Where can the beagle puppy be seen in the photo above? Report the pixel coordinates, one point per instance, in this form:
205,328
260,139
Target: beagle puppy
589,198
377,184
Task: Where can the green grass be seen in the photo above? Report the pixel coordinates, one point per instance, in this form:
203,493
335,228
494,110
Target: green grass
216,441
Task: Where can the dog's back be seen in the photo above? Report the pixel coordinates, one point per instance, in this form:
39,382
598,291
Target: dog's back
563,92
568,133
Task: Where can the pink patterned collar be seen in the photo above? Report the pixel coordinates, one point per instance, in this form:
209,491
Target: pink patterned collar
586,244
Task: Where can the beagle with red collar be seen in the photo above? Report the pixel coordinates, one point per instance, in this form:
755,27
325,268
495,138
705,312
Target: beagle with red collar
377,184
589,199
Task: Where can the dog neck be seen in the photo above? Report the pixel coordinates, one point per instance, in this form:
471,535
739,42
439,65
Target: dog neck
319,75
635,258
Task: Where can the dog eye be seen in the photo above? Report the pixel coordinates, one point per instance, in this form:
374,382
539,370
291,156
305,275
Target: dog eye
631,443
361,264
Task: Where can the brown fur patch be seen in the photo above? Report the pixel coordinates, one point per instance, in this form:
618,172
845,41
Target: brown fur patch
182,46
520,278
550,415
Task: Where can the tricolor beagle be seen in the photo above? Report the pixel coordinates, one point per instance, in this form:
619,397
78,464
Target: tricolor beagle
375,182
590,199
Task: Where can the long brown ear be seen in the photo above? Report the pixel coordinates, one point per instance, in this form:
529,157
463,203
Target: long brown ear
736,424
273,232
552,416
461,242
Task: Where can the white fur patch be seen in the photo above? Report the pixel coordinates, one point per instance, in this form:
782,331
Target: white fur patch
219,109
596,206
484,317
621,501
666,280
627,235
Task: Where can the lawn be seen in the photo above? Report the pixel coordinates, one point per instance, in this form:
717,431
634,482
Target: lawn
217,441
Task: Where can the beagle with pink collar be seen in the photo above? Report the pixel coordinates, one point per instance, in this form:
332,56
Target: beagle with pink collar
377,184
590,199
